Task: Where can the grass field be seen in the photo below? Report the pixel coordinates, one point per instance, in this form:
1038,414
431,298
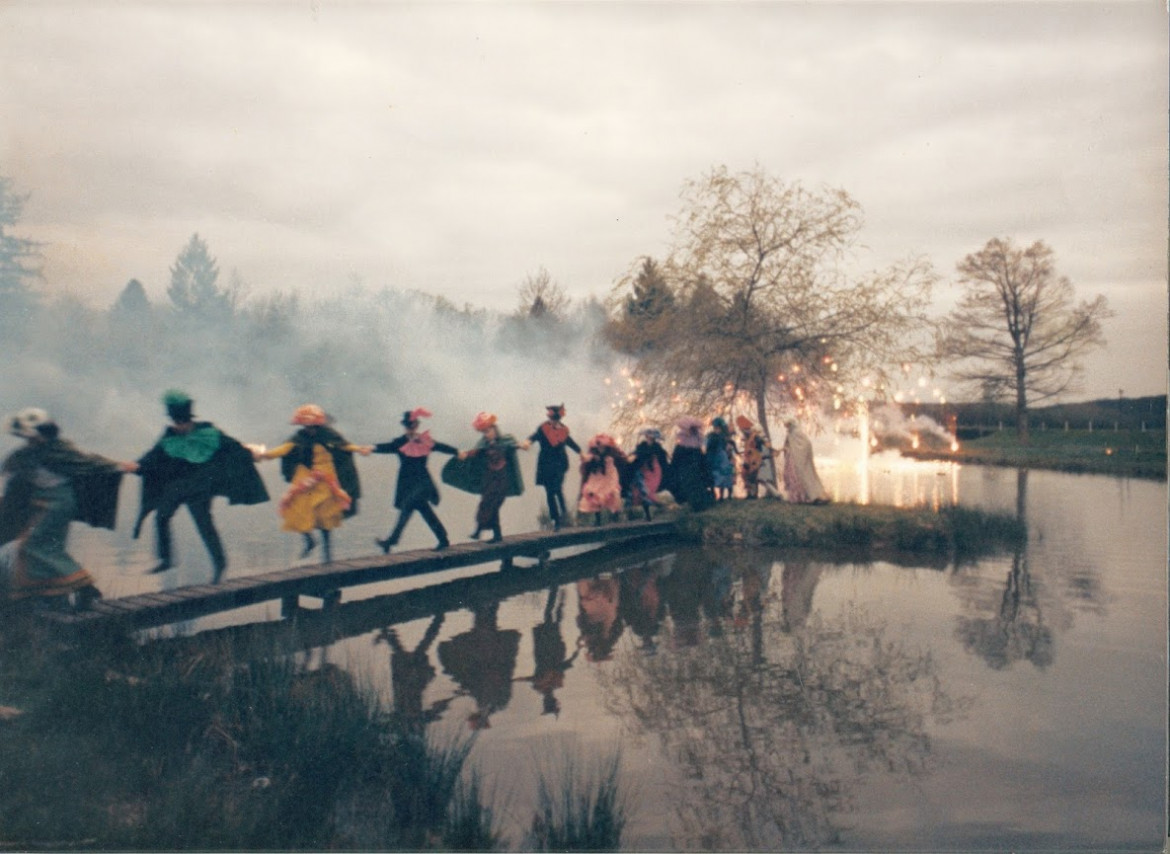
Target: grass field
1126,453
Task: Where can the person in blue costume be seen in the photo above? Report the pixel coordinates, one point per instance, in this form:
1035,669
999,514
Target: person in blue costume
193,462
721,453
553,460
415,490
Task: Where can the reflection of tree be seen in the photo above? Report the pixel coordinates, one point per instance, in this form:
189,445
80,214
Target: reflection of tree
769,748
1017,630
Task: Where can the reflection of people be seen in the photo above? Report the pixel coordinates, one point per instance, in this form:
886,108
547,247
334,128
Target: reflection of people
411,672
548,652
690,478
682,591
602,466
721,458
598,618
489,470
641,605
482,660
190,464
317,462
798,582
648,470
801,482
49,484
415,489
553,460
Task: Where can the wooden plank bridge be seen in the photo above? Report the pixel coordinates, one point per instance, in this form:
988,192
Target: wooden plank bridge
327,580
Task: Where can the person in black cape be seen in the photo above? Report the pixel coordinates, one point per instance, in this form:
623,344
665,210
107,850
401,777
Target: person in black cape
191,463
415,490
49,484
553,460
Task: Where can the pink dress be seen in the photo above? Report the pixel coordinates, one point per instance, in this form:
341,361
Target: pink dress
601,490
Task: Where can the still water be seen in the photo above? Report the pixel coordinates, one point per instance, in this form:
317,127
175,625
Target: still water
770,699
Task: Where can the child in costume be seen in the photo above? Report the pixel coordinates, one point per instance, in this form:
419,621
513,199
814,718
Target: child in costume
553,460
489,470
323,489
191,463
648,470
415,489
720,458
49,483
602,466
689,476
755,450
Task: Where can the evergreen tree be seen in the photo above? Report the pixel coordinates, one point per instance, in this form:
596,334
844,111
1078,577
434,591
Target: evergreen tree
19,257
194,290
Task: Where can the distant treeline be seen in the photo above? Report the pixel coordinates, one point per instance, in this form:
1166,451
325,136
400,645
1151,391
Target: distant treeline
1124,413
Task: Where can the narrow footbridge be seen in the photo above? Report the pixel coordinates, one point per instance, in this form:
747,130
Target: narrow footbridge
326,581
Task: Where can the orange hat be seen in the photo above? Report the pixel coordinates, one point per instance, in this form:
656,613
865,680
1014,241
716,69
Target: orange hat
309,415
483,421
744,423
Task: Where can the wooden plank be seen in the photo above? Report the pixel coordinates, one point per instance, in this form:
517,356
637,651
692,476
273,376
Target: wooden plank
327,580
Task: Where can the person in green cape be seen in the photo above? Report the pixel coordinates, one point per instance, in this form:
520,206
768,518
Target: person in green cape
489,470
192,462
49,483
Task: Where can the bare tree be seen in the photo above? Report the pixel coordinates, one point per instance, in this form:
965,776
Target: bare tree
762,315
1016,330
541,298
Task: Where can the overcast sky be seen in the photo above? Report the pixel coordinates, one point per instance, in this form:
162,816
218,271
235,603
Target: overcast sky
456,148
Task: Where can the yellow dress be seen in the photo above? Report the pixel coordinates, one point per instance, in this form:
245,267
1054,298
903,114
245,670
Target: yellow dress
314,498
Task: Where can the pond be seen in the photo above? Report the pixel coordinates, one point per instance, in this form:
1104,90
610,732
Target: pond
774,700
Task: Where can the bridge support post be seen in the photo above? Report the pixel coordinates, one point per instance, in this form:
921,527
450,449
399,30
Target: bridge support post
289,605
330,599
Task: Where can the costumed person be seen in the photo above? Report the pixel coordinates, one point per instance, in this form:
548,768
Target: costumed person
801,482
553,460
648,468
415,489
489,470
690,478
191,463
721,458
323,488
482,660
755,450
48,484
602,466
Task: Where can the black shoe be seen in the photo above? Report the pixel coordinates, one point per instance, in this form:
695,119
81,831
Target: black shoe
162,567
218,574
384,545
310,544
442,544
85,597
474,534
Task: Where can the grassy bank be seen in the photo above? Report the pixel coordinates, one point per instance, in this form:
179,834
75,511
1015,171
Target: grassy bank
953,533
136,748
1124,453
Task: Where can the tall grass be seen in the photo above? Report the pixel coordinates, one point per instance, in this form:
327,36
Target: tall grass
132,748
581,808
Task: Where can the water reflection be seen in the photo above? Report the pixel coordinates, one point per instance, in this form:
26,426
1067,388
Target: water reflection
411,672
482,661
773,715
549,653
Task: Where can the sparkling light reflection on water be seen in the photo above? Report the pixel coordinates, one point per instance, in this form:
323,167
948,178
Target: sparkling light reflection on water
790,702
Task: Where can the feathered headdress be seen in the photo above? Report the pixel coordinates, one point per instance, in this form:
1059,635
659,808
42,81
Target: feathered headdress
483,421
309,415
